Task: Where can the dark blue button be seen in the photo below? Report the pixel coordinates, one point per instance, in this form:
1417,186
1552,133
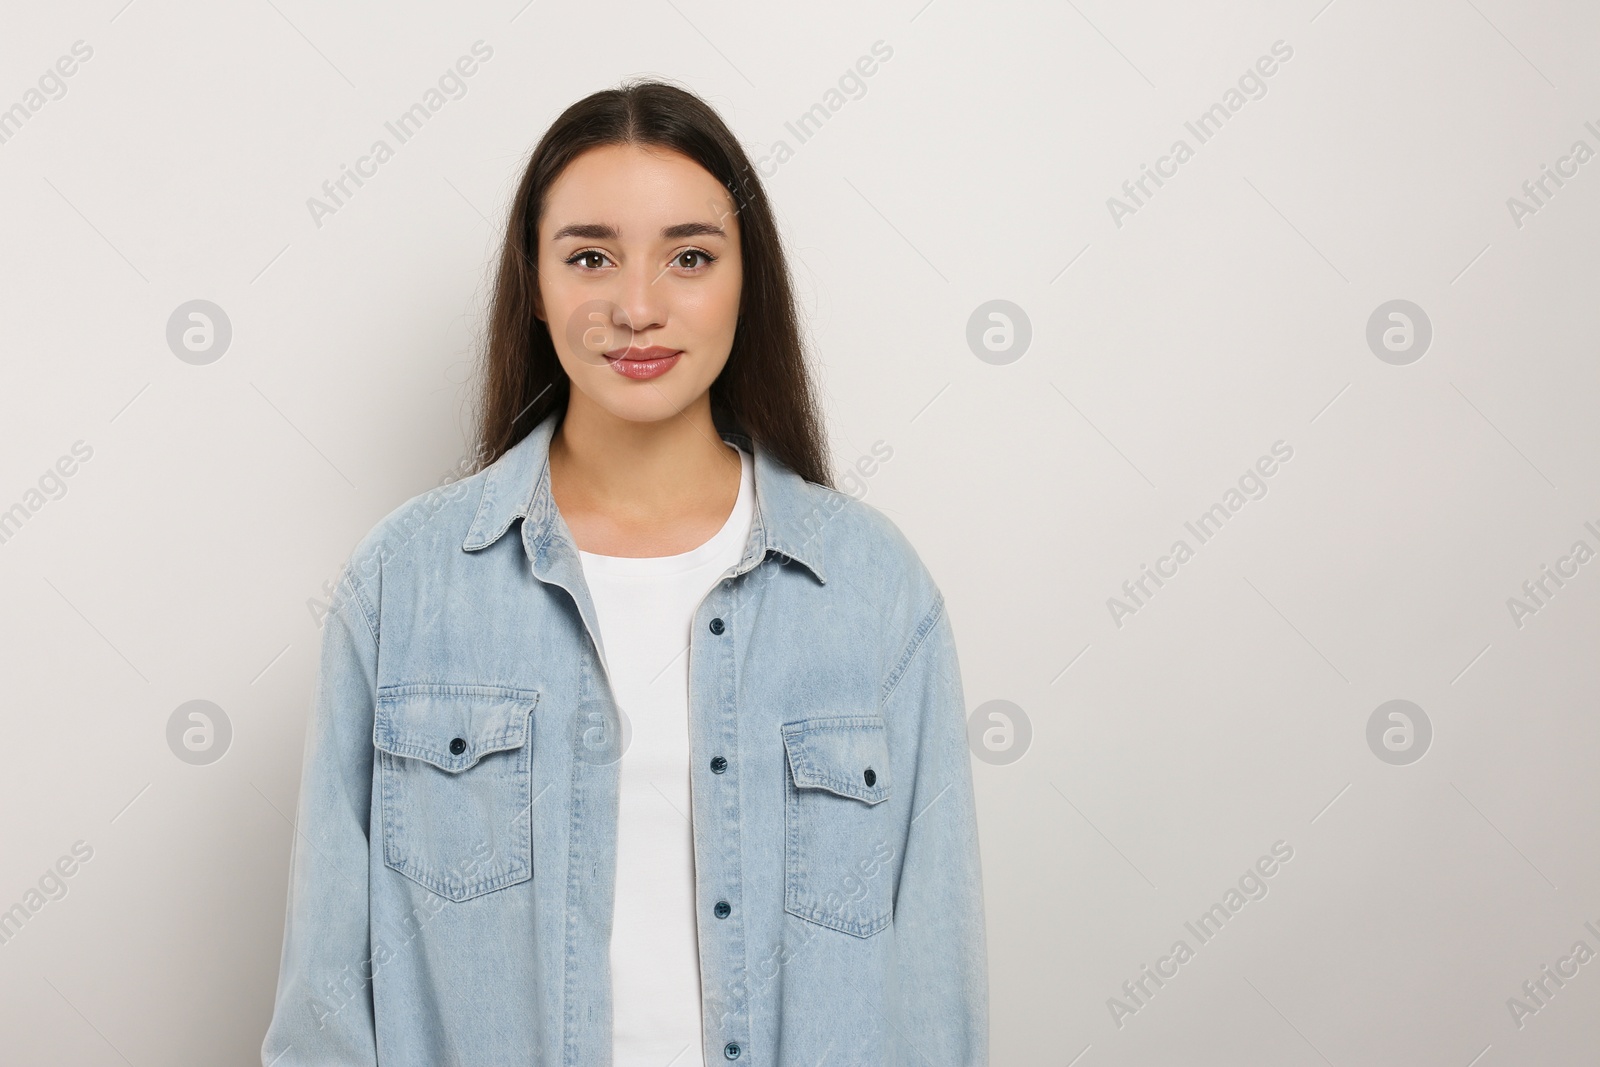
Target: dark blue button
722,909
457,747
870,775
717,628
718,764
731,1050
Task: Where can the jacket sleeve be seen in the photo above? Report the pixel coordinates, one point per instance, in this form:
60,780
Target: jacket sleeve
322,1012
942,986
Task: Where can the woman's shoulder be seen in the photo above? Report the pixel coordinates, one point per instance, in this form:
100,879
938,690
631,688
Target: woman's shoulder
867,551
859,528
420,527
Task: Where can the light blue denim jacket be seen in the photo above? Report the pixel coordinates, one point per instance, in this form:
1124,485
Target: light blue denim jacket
453,865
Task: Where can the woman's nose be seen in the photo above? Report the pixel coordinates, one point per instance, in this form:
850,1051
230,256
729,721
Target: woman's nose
640,296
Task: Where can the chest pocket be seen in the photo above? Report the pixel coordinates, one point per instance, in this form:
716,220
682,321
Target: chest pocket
838,841
456,788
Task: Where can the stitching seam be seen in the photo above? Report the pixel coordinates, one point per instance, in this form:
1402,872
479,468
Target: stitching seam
918,637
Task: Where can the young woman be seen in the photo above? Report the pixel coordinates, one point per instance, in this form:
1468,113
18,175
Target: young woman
642,744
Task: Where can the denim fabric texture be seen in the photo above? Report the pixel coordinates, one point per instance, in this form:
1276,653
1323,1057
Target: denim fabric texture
453,863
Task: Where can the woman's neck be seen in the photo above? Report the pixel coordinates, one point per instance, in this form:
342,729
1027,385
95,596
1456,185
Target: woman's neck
629,488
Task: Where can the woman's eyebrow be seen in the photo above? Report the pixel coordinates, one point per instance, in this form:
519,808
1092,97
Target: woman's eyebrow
601,231
692,229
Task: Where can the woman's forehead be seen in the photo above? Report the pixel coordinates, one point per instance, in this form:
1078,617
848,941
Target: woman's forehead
637,193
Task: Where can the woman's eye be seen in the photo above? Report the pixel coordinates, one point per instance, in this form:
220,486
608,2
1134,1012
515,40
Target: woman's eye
705,258
586,256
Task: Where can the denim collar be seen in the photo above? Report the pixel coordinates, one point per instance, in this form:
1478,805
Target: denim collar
789,517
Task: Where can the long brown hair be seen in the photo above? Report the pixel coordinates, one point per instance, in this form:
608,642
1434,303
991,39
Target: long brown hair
765,391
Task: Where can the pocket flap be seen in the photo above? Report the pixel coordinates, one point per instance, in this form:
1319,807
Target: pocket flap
847,755
451,726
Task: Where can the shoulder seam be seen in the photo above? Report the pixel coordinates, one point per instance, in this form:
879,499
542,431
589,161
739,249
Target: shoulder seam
918,639
367,612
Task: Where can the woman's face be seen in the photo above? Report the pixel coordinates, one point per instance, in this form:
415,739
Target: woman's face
639,250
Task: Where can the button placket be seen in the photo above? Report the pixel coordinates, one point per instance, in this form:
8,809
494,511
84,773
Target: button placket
726,947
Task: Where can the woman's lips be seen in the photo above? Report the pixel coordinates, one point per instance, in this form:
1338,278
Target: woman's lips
643,363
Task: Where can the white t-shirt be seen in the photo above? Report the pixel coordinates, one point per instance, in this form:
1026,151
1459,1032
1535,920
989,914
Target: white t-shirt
645,607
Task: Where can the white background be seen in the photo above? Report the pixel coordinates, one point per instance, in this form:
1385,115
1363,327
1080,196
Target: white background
1168,353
